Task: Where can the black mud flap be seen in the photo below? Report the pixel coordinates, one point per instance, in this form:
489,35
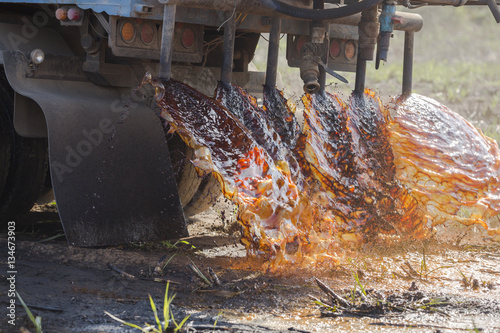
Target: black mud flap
110,166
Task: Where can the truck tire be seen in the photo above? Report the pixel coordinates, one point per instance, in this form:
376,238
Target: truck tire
23,162
206,196
196,193
186,177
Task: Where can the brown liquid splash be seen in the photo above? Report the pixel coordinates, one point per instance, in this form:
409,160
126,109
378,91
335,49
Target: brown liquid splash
346,149
452,169
354,172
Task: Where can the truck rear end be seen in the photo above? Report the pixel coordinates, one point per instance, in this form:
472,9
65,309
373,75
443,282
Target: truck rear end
73,122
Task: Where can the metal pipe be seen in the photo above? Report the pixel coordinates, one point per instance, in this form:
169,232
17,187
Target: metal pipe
321,26
247,6
273,52
408,62
386,29
494,9
309,69
456,3
368,28
359,85
228,49
409,22
322,79
275,8
167,39
319,14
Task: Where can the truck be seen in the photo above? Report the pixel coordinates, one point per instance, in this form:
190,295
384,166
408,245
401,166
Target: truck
72,122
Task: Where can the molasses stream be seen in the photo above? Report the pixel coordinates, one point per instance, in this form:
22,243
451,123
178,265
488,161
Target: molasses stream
357,169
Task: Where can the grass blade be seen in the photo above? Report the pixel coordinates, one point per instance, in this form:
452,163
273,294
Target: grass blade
51,238
178,327
36,321
199,273
124,322
168,316
153,307
166,306
356,277
217,319
168,261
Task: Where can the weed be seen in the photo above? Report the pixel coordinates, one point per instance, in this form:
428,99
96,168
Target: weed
431,305
162,245
474,327
358,266
424,271
423,263
464,278
353,292
469,282
325,306
374,304
383,270
176,245
37,321
217,318
161,326
59,235
199,273
358,283
168,261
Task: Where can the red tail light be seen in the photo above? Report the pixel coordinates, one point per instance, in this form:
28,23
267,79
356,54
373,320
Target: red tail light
147,33
74,14
187,38
334,48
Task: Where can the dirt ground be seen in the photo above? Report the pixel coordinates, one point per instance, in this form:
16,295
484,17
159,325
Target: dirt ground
450,287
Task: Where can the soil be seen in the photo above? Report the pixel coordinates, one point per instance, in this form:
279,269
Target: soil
450,287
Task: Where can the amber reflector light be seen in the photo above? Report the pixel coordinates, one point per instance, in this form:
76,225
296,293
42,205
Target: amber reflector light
350,50
61,14
128,32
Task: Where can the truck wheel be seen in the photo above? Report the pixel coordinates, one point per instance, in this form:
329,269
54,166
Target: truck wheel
208,192
196,193
185,173
23,162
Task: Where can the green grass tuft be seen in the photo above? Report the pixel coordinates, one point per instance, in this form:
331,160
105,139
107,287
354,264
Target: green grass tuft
161,326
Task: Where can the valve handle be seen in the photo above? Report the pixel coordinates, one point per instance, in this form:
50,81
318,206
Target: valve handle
331,72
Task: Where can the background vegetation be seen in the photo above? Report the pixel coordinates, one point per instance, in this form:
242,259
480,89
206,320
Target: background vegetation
456,61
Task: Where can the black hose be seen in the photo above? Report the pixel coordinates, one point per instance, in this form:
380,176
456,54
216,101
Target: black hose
318,14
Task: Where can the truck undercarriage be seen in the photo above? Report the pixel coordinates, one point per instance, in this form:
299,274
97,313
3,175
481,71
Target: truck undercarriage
68,70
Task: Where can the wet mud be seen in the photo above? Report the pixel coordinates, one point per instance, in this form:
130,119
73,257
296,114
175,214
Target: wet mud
457,289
